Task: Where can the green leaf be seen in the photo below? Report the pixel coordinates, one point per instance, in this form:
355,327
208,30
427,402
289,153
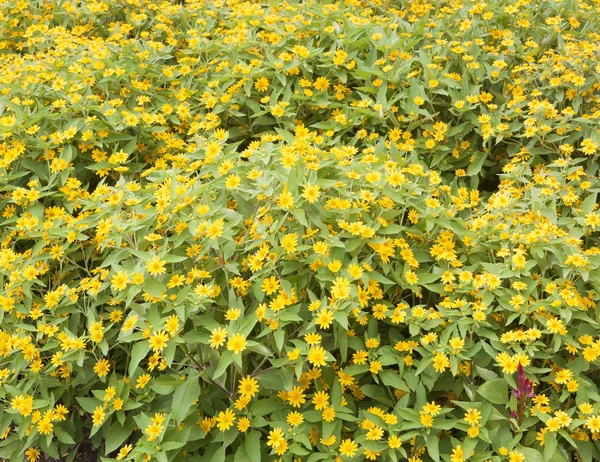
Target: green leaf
219,455
63,436
550,445
316,457
588,204
391,379
253,446
486,374
138,352
287,136
495,391
118,434
184,397
224,362
89,405
381,278
585,450
557,457
531,455
342,319
267,406
154,287
433,448
475,166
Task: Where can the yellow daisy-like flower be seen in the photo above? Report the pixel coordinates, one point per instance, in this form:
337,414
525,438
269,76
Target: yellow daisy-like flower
225,420
441,362
102,367
98,416
217,337
236,343
248,386
317,356
155,266
158,341
294,418
348,448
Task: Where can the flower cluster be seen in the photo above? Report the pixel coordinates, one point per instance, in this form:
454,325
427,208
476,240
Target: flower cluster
300,231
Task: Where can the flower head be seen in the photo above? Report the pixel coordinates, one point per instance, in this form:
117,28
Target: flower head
524,385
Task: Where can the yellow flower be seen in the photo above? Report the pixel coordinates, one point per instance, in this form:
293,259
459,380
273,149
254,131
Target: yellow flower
172,324
217,337
294,418
232,314
248,386
262,84
232,181
317,356
432,408
457,344
289,242
375,367
102,367
32,454
588,147
129,323
124,451
45,426
215,229
472,416
98,416
155,266
296,397
321,83
236,343
411,277
334,266
324,318
328,414
270,285
593,424
339,57
311,193
118,404
515,456
277,111
426,419
142,381
276,438
556,326
225,420
320,400
457,454
119,281
473,431
243,424
341,288
153,431
440,362
348,448
158,341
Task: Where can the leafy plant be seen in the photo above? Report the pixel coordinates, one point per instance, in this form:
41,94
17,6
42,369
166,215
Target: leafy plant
310,231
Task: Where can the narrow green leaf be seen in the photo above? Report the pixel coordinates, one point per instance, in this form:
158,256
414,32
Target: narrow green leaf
184,397
138,352
433,448
253,446
224,362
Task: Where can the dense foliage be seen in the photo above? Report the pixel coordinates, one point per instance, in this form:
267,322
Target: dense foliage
243,231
